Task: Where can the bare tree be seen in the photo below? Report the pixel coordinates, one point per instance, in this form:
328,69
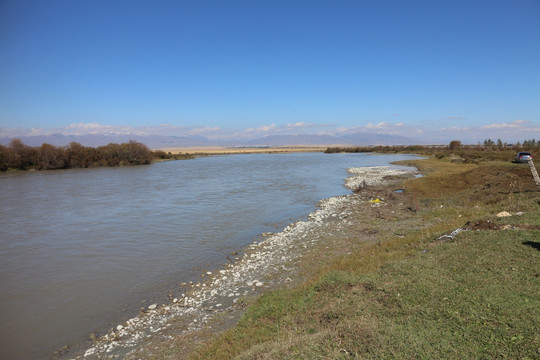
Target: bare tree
455,145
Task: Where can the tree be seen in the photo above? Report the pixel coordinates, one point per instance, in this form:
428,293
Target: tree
4,158
21,156
51,157
455,145
78,156
138,153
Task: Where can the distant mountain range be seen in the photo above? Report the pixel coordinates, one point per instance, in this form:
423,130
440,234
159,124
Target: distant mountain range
163,142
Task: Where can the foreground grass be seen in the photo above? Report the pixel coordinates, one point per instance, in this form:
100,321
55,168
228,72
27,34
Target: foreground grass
473,298
413,296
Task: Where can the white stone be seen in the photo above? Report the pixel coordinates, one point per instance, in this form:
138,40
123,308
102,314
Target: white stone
89,352
152,307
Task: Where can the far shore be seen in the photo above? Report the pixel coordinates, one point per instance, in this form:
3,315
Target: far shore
222,150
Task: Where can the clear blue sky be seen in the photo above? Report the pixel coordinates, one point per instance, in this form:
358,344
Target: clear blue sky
248,68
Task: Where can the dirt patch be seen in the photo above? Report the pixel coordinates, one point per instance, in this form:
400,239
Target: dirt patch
528,227
487,225
483,225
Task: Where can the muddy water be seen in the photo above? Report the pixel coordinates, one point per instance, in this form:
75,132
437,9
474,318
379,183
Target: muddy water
82,250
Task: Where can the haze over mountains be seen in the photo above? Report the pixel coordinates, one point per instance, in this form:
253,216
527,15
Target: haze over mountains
163,142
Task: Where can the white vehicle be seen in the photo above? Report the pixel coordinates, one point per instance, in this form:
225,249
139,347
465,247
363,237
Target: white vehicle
523,157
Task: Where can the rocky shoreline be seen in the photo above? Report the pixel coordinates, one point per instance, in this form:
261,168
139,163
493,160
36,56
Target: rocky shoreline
266,264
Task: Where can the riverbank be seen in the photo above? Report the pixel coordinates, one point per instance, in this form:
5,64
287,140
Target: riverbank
368,273
221,150
446,268
220,297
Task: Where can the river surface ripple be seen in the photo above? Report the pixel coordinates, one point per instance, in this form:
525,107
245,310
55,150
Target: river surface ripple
82,250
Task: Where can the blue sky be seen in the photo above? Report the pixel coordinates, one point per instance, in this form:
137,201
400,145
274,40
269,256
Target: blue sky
433,69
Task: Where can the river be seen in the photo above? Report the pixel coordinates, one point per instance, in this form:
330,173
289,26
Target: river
82,250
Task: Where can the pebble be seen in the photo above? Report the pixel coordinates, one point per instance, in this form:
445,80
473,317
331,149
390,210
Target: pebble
152,307
89,352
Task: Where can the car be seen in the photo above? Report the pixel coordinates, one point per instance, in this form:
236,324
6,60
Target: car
523,157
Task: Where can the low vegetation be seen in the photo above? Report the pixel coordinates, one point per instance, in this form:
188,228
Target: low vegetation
455,151
18,156
402,290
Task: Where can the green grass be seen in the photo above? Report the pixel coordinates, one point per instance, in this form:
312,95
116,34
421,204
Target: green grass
411,296
472,298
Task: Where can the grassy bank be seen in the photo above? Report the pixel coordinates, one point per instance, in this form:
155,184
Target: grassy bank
476,297
455,151
400,292
386,285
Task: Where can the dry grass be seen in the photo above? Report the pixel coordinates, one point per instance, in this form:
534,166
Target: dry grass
217,150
